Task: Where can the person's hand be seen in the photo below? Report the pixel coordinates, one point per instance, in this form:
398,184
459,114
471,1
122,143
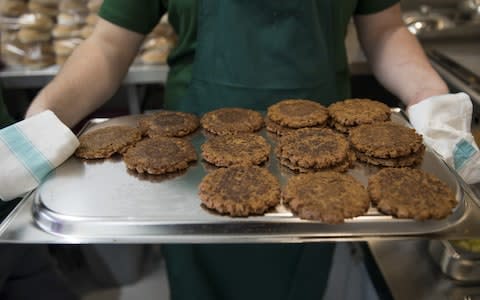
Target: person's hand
29,150
445,123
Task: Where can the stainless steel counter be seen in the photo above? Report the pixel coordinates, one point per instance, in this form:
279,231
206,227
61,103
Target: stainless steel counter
23,78
410,272
137,74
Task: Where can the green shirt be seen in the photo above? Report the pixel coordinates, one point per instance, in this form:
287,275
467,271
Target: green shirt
142,16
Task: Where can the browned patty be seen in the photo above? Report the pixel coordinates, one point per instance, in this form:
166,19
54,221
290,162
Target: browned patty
242,148
411,193
385,140
277,128
298,113
282,130
353,112
409,160
341,128
105,142
225,121
329,197
341,167
160,155
240,191
313,148
169,123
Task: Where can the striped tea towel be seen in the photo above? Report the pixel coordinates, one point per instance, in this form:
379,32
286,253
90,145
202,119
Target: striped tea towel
31,149
445,123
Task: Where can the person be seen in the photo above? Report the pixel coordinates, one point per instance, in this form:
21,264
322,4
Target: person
247,54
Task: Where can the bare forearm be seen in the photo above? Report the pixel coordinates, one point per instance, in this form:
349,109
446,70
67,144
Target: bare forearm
88,79
398,61
83,84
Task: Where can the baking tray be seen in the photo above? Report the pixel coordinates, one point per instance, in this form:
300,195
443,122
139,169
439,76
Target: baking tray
95,199
455,262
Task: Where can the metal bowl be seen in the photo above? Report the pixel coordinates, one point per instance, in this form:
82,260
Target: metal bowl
456,263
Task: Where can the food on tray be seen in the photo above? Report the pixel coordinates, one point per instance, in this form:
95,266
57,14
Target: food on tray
225,121
387,144
298,113
105,142
240,191
329,197
468,245
160,155
314,149
169,123
277,128
411,193
353,112
242,148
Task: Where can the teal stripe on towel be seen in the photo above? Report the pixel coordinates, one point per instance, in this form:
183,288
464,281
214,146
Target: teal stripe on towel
33,160
462,153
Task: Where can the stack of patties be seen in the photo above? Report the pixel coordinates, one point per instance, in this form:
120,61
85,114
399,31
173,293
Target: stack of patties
92,18
292,114
12,50
163,151
67,33
350,113
315,149
35,35
387,144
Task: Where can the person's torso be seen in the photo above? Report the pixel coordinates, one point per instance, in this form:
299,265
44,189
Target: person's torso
252,54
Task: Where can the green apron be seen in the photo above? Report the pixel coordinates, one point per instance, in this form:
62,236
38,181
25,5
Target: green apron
252,54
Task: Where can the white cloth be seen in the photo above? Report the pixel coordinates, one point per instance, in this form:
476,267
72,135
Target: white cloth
445,123
30,150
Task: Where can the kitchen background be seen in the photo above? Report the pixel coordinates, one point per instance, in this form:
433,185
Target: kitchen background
94,271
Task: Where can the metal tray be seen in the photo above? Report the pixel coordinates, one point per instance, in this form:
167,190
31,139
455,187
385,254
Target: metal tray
83,199
459,264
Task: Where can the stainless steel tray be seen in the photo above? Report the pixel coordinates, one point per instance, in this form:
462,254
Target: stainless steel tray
100,199
455,262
